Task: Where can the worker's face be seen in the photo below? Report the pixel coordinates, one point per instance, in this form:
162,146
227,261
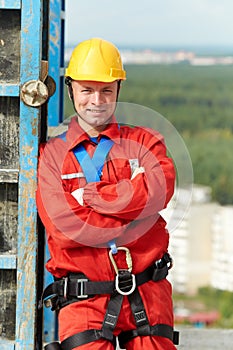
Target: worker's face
95,103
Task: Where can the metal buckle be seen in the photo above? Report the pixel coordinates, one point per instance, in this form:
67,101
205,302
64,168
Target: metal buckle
170,263
65,287
50,302
166,260
117,285
80,288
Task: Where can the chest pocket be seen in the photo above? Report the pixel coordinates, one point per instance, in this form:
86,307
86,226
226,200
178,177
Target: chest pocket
119,169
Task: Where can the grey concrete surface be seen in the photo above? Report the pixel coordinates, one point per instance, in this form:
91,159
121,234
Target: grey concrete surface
205,339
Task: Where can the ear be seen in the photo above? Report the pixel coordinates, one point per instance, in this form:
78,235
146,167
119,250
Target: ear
118,87
68,82
70,92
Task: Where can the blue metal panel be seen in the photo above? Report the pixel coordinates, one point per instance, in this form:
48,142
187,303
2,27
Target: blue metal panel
55,116
7,346
50,324
25,261
8,262
28,147
56,60
9,90
10,4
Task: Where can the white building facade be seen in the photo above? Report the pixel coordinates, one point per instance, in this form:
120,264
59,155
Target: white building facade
201,244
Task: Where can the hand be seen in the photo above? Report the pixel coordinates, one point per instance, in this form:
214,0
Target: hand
137,171
78,195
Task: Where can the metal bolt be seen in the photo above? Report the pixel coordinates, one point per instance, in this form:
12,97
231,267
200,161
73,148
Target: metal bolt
34,93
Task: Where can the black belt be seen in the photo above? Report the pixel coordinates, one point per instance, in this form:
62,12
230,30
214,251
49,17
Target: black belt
77,287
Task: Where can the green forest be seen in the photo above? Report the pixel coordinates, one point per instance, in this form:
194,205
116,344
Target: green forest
198,101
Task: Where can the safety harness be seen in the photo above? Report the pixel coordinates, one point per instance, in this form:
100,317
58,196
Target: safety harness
77,287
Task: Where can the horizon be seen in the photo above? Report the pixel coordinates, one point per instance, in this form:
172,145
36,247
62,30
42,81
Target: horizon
197,49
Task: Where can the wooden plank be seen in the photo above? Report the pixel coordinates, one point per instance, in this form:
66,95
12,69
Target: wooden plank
7,304
8,217
9,132
10,46
9,175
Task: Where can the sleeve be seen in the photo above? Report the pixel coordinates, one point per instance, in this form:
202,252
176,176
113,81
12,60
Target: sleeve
146,193
66,221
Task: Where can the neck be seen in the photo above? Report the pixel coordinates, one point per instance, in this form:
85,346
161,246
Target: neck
92,131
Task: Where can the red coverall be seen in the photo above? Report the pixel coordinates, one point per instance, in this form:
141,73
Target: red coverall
78,235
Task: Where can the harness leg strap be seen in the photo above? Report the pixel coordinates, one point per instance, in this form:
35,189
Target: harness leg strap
138,309
82,338
111,316
91,335
142,323
160,330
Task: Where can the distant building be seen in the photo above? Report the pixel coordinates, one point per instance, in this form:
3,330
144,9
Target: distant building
149,56
201,244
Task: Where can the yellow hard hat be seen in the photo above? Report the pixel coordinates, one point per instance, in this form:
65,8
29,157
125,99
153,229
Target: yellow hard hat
96,60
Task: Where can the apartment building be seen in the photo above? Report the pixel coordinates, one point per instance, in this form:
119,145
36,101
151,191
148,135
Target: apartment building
201,242
222,249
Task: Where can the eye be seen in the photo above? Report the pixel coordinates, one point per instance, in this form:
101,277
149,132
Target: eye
107,91
86,91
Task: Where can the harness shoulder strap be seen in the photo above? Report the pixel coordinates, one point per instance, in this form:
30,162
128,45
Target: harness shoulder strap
92,167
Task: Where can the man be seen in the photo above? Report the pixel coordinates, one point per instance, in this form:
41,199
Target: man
100,188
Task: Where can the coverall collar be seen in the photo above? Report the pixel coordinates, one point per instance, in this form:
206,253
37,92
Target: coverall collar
76,135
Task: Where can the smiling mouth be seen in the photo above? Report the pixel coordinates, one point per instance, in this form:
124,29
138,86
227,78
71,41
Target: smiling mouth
94,110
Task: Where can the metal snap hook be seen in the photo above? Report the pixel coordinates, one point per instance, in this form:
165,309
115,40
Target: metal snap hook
128,259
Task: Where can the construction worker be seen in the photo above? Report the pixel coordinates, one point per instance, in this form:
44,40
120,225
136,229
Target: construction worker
101,186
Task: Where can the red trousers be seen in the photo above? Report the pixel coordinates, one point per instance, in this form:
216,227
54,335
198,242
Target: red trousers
89,314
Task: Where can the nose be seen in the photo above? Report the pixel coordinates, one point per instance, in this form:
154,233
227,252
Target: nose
96,98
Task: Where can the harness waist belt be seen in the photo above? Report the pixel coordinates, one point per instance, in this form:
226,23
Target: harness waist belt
79,287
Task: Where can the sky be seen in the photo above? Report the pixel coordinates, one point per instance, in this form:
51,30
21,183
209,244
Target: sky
151,23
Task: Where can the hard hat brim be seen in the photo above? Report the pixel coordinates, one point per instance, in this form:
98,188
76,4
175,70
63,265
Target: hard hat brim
101,78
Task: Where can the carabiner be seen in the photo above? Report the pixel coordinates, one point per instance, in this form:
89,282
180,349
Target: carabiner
128,259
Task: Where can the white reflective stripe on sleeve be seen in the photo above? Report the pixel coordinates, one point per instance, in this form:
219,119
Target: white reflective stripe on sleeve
72,176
